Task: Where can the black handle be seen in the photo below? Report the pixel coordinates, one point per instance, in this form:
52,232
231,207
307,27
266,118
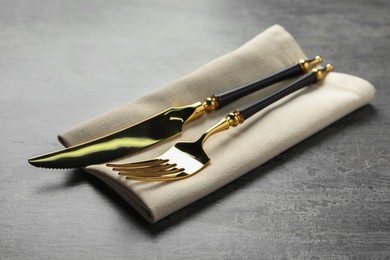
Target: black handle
304,81
301,67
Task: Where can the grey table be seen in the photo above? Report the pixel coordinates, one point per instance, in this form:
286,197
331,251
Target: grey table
63,62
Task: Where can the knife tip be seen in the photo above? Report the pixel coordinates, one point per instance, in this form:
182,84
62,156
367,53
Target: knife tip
33,162
37,162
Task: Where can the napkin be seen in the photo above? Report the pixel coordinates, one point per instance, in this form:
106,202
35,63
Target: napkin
240,149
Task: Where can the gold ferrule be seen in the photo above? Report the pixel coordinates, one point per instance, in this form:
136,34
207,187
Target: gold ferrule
307,65
322,72
235,118
211,104
199,111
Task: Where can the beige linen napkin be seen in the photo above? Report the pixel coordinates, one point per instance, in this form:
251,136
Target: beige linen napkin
238,150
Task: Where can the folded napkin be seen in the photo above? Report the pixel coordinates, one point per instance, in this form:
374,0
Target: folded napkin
240,149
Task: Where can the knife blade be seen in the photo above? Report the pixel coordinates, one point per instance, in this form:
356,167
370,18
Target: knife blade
158,128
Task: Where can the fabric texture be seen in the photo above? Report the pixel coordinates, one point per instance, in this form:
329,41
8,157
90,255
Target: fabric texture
240,149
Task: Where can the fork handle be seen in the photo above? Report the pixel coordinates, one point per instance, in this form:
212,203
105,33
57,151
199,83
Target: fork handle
301,67
314,76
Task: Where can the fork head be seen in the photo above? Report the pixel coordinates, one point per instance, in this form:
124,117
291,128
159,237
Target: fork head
181,161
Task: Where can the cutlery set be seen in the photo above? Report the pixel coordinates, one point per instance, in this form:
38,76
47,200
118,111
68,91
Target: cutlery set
184,159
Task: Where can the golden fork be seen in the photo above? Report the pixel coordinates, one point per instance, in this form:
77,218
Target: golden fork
185,159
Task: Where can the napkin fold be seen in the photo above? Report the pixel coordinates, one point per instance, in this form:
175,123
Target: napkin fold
240,149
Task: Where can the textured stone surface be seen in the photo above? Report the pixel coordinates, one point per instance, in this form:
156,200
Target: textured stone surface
63,62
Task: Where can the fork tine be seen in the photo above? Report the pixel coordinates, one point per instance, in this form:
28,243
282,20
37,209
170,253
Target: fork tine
138,164
168,177
152,173
151,170
145,169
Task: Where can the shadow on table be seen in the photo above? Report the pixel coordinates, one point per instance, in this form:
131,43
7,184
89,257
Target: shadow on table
362,116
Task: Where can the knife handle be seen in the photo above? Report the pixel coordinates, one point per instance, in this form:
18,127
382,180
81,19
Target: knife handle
314,76
218,101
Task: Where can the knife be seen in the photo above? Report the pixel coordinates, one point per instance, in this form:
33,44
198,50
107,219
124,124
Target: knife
158,128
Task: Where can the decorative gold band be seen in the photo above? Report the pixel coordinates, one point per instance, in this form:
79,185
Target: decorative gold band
321,73
235,118
211,104
307,65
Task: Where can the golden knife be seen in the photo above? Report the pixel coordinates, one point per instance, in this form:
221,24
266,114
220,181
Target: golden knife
158,128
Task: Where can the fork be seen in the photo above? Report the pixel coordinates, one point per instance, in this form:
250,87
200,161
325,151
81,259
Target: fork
185,159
